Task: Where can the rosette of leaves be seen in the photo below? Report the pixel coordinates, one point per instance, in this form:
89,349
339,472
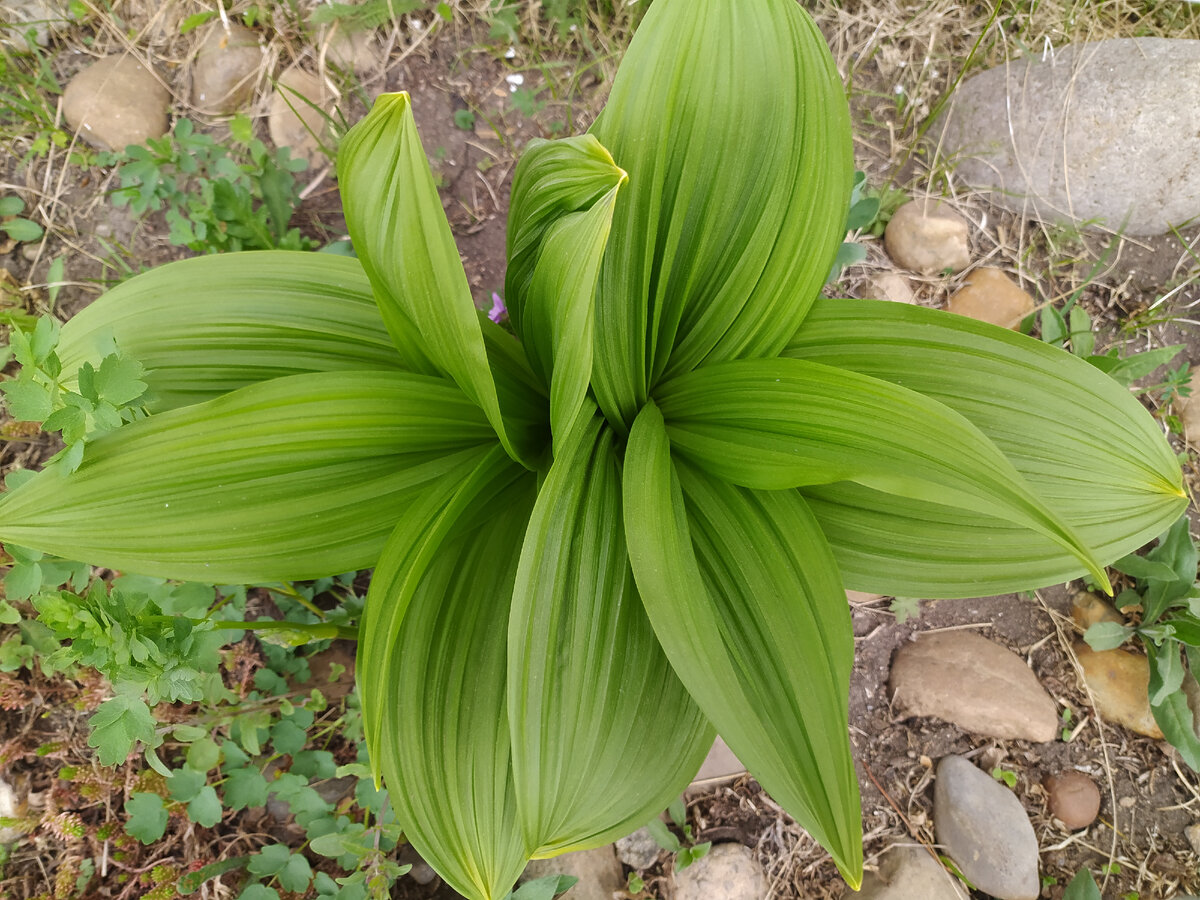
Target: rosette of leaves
630,525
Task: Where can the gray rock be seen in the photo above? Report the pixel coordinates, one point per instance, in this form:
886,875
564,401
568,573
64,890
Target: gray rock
598,872
978,685
727,871
929,237
45,17
226,69
296,114
638,850
909,873
1091,133
985,830
116,101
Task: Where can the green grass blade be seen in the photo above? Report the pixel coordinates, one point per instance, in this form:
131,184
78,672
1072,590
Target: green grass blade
737,196
1081,442
293,478
744,595
604,734
206,326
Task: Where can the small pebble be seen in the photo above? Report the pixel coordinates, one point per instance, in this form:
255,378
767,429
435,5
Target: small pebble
989,295
726,872
1073,799
928,237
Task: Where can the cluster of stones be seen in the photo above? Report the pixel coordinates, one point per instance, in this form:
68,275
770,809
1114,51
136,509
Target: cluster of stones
121,100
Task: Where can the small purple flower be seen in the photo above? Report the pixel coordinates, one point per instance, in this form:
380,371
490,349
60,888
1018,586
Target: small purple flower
498,310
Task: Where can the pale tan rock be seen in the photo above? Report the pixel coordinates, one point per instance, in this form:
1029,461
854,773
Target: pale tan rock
909,873
228,62
353,51
598,871
9,809
978,685
1189,410
892,286
928,237
857,598
719,764
1118,681
115,102
1073,799
292,120
1087,609
727,871
989,295
1192,833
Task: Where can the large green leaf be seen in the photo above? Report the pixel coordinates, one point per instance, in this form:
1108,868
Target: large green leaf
292,478
744,595
604,735
1081,441
563,196
205,326
731,121
783,423
446,758
395,218
460,500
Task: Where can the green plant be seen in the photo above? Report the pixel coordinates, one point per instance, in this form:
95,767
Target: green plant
11,224
1006,776
629,526
1166,589
686,851
216,198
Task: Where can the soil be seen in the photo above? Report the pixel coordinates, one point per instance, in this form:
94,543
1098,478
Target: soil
1149,797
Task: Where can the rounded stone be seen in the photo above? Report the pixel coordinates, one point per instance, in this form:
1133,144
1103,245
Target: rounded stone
115,102
296,114
928,237
638,850
976,684
728,871
1092,134
909,873
1119,681
598,872
228,61
989,295
985,830
892,286
1073,799
1087,609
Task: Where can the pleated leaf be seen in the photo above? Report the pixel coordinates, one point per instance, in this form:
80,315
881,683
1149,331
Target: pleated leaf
744,596
401,235
205,326
731,121
783,423
1081,441
446,759
563,197
460,501
604,734
293,478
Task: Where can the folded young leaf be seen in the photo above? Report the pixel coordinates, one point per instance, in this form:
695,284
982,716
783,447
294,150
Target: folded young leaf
206,326
395,218
604,734
1082,442
297,477
745,598
446,755
782,423
563,197
737,195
